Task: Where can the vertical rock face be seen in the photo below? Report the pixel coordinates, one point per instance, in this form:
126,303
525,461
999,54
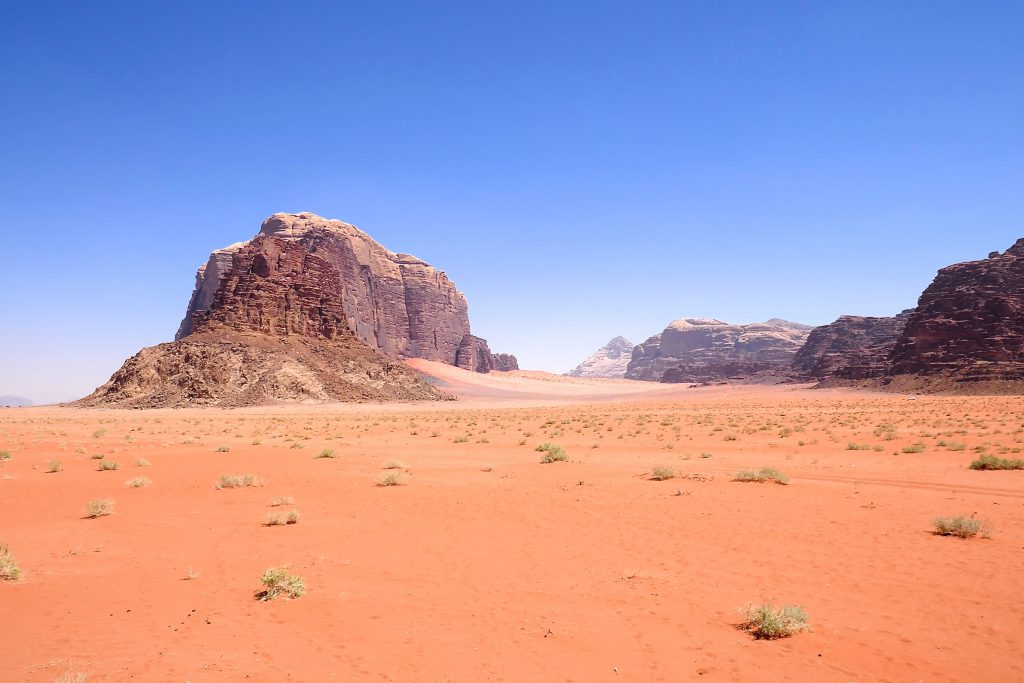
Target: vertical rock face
337,276
474,355
704,349
610,361
851,348
969,323
505,362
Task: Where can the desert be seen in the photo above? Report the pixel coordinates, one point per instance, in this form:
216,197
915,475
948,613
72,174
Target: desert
485,564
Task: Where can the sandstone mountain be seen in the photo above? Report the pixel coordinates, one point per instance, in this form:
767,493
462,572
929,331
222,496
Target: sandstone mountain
968,326
708,350
609,361
308,309
851,348
7,401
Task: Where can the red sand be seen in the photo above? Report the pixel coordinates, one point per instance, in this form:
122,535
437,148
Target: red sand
489,566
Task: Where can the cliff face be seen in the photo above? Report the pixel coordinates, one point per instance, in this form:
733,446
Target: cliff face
851,348
395,303
704,349
611,360
969,323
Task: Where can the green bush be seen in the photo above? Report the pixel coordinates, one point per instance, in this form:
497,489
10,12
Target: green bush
279,583
991,462
552,453
764,621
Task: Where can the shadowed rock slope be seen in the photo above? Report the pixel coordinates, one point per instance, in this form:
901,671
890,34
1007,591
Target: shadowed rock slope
851,348
611,360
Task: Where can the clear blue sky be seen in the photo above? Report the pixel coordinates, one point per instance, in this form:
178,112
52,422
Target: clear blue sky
581,170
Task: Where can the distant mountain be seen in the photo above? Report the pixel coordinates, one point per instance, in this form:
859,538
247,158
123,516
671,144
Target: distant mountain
608,361
14,402
709,350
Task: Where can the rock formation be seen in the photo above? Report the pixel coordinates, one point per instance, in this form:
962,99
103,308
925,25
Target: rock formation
851,348
609,361
504,362
308,309
968,325
14,402
704,349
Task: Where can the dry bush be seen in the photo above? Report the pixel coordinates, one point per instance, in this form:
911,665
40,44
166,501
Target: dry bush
393,465
552,453
54,466
991,462
392,478
236,481
762,475
108,466
138,482
99,507
961,527
281,500
764,621
663,473
8,568
282,518
326,453
280,583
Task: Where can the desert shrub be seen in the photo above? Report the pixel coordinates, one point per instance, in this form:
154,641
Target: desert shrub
661,473
98,433
393,465
138,482
764,474
858,446
142,462
552,453
97,456
279,583
236,481
54,466
914,448
72,677
326,453
764,621
391,478
99,507
461,439
961,527
281,500
5,455
991,462
705,454
279,518
223,449
108,466
8,568
297,444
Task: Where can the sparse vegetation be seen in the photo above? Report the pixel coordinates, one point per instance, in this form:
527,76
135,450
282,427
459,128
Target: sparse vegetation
764,621
223,449
236,481
552,453
961,527
393,465
326,453
54,466
5,455
280,583
991,462
392,478
142,462
138,482
99,508
914,448
281,500
662,473
281,518
97,456
109,466
765,474
9,570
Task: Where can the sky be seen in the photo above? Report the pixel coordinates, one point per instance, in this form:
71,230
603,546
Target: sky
580,169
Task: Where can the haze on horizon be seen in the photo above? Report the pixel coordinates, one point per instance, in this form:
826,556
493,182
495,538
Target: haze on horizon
580,170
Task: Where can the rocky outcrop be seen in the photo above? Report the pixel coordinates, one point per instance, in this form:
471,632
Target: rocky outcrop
705,349
968,325
395,303
309,309
851,348
504,362
611,360
14,402
223,367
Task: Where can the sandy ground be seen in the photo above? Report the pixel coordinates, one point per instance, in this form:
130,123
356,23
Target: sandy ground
487,565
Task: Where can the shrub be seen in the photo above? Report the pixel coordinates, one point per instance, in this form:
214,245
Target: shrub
858,446
915,448
762,475
54,466
8,569
235,481
279,583
296,444
99,507
552,453
393,465
223,449
108,465
326,453
5,455
392,478
961,527
661,473
96,456
279,518
138,482
764,621
991,462
142,462
281,500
